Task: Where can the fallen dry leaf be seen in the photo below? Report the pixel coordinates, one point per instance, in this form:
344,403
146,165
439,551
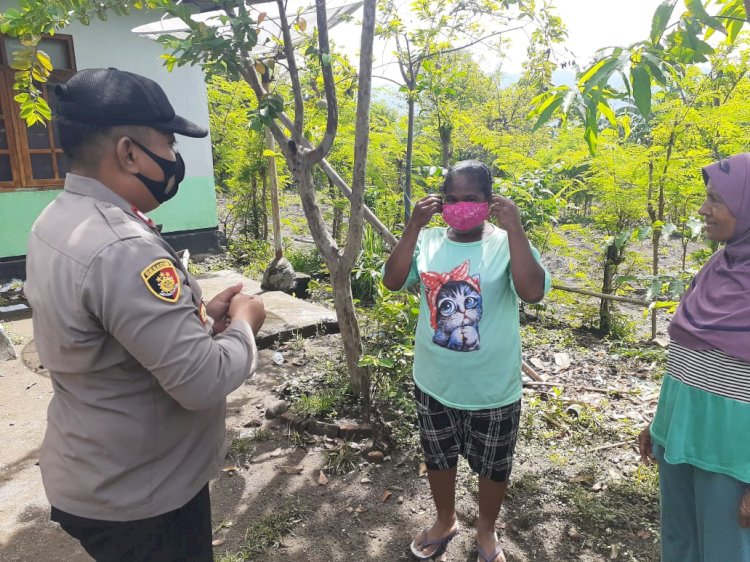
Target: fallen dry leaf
643,534
218,542
229,469
387,494
360,509
422,470
574,534
365,480
322,479
286,469
614,553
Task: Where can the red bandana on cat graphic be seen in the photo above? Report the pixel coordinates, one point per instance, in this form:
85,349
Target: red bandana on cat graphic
433,282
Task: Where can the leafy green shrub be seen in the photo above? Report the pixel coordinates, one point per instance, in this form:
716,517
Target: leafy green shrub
305,260
253,256
366,274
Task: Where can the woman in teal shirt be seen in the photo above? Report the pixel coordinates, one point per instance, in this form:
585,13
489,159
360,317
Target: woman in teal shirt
467,353
699,433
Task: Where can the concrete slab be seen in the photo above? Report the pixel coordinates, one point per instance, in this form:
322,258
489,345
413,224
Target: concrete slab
286,316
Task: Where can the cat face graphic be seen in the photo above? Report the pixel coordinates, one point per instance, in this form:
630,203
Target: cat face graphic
455,303
458,304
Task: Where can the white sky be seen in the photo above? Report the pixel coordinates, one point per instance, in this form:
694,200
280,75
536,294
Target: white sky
591,25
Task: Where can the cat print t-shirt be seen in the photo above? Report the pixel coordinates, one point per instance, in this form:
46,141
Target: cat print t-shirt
467,353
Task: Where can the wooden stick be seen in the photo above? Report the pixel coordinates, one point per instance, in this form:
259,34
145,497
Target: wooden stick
610,446
579,387
273,180
559,424
526,368
586,292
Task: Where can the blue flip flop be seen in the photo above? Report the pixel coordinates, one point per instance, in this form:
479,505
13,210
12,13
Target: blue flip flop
442,545
491,558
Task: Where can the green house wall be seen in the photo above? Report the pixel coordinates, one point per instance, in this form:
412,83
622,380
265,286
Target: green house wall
194,208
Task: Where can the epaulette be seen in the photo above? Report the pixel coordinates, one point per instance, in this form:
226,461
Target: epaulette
122,224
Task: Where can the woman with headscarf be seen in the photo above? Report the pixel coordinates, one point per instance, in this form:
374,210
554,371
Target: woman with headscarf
699,435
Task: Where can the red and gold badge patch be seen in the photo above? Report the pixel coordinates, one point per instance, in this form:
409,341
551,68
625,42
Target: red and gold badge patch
162,280
202,314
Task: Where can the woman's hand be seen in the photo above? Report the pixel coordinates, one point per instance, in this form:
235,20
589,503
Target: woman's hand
424,211
506,212
745,510
645,446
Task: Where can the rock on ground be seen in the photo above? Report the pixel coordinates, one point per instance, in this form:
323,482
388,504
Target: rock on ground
7,352
279,276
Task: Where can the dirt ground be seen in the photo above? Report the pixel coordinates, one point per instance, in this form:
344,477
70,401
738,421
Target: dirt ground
578,492
568,501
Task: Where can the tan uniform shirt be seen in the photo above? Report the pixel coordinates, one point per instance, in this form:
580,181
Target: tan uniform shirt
136,426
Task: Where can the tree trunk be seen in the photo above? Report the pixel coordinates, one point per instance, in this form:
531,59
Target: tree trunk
341,282
264,205
684,242
655,239
613,257
256,207
349,327
446,148
610,267
301,160
275,210
408,159
338,213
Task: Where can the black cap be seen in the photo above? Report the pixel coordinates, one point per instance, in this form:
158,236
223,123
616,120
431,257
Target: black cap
107,96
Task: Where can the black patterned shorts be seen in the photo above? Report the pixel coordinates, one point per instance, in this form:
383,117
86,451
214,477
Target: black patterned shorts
486,438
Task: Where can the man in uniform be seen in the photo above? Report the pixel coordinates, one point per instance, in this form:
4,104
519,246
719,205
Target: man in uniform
140,366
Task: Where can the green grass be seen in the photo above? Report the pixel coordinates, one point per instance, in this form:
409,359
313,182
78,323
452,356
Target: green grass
241,449
319,405
342,460
267,532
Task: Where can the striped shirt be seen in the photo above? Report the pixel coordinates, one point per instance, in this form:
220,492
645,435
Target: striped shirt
710,370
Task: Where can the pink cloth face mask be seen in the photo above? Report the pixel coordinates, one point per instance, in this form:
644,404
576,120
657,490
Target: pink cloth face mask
465,216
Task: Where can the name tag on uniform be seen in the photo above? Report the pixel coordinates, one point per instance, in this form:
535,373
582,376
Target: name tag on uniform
162,280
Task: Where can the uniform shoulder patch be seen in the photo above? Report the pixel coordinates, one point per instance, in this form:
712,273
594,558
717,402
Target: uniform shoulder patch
162,280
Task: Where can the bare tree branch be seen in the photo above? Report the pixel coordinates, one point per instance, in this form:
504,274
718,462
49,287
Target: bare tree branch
472,43
339,182
329,86
361,136
251,77
299,104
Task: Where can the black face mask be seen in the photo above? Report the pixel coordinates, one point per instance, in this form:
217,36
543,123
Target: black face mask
174,173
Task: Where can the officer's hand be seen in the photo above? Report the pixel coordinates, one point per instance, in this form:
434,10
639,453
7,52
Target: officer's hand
248,308
218,307
424,210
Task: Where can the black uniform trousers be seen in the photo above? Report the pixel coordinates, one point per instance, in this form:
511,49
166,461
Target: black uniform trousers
182,535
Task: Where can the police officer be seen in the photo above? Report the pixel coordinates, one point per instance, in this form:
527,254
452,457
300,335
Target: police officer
140,366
